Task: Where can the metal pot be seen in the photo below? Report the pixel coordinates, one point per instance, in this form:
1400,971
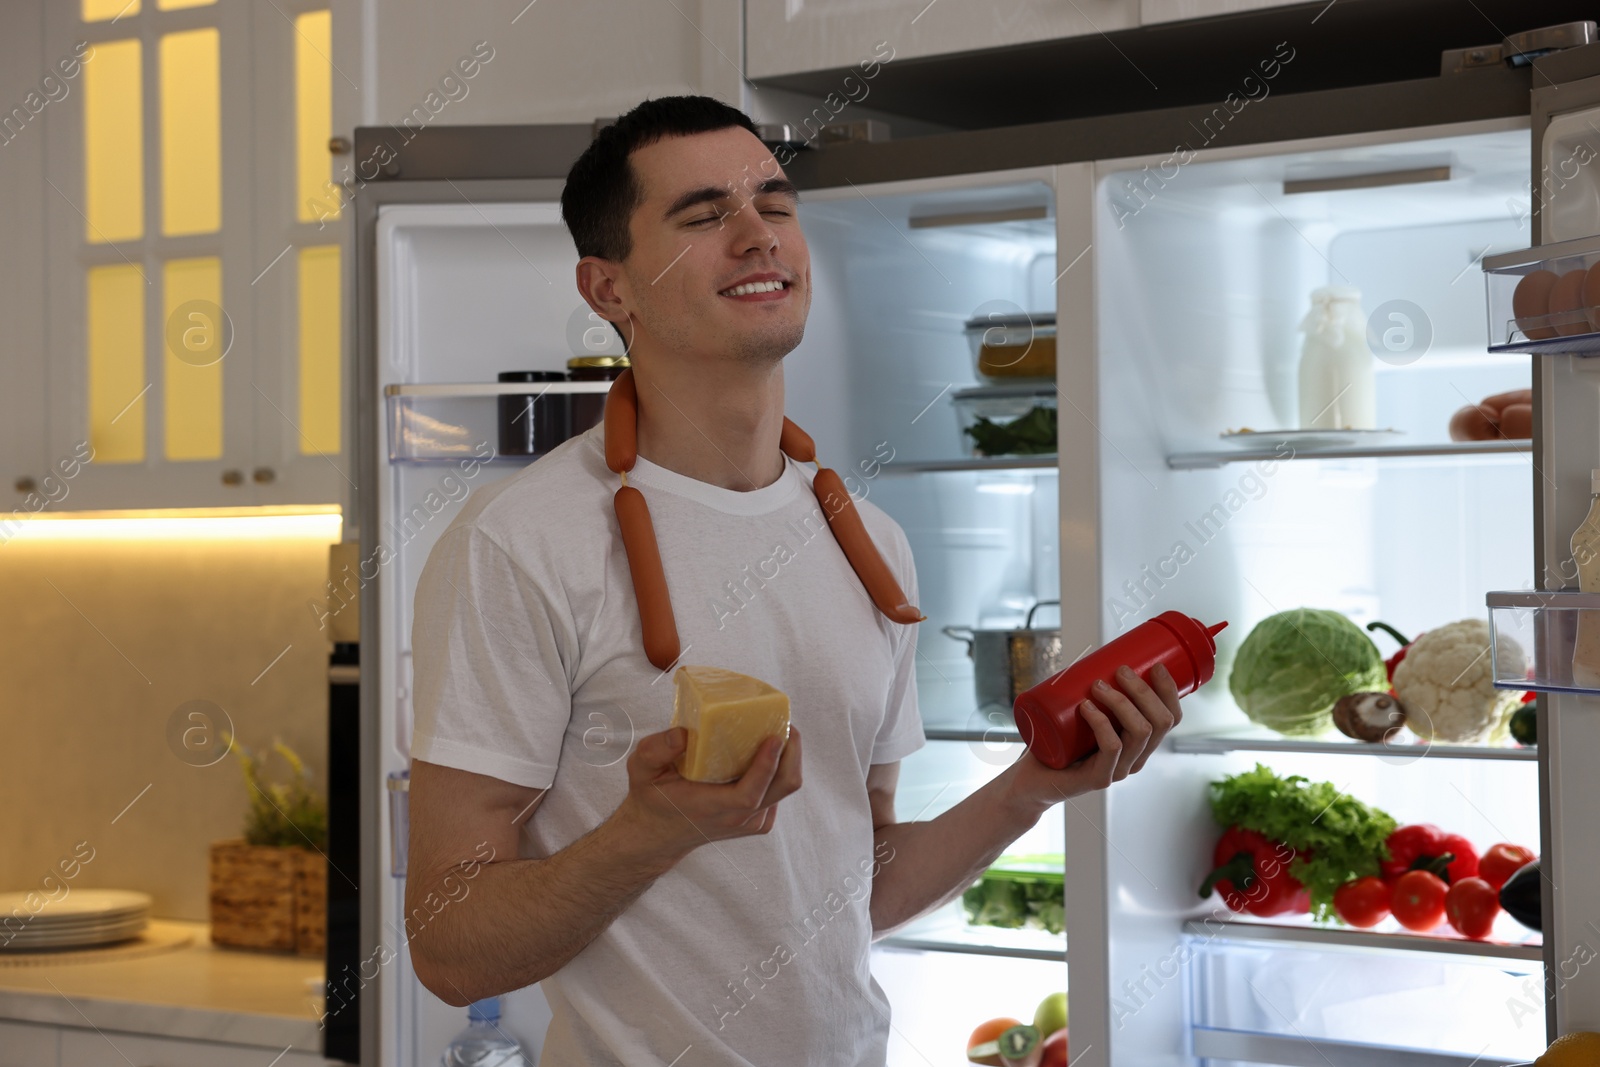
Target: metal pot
1007,662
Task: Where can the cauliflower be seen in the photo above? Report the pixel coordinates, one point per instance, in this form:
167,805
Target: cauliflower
1446,683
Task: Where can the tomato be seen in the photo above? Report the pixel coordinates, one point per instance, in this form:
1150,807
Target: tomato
1502,861
1465,864
1419,900
1362,902
1471,905
987,1034
1055,1050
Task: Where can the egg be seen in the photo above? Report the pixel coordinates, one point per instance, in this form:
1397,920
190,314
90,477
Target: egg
1566,298
1591,295
1530,301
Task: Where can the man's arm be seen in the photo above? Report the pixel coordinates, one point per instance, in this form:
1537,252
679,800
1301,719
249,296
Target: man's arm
928,864
477,930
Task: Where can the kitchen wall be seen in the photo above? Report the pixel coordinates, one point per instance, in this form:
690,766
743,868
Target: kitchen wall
104,640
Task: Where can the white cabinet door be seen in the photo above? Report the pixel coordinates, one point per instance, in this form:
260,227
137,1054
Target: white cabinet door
22,346
28,1045
787,36
89,1048
1152,12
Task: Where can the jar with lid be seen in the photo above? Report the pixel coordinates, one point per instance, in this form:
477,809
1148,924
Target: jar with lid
587,408
532,423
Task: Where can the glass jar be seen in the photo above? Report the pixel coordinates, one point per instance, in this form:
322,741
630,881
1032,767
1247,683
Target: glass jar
588,408
530,424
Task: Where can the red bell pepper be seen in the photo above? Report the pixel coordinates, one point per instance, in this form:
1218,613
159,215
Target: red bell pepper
1405,646
1424,847
1252,874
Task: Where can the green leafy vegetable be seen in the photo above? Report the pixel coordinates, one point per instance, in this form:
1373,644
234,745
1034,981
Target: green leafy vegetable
1031,435
1295,665
1019,891
1342,837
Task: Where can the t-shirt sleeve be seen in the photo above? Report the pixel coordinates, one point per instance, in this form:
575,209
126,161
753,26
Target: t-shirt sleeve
901,733
490,689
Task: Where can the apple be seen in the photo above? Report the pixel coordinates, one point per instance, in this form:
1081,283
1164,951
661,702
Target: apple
1051,1014
1055,1050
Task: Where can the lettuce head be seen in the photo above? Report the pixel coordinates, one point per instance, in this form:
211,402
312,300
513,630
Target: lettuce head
1295,666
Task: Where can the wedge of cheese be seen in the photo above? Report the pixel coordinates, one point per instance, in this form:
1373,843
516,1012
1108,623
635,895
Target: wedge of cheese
727,715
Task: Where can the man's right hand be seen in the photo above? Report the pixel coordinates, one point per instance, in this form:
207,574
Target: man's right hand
678,815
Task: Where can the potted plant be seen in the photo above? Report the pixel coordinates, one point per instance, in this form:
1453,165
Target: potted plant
269,888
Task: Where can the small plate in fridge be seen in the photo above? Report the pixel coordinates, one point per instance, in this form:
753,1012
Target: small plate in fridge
1309,438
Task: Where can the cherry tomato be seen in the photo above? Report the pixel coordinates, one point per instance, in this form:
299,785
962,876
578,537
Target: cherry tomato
1419,900
1054,1050
1471,905
1465,864
1502,861
1362,902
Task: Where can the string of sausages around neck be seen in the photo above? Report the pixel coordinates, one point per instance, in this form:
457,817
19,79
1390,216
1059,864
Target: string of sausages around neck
661,644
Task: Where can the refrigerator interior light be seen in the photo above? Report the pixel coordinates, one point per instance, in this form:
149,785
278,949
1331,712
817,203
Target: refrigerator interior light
313,522
1004,485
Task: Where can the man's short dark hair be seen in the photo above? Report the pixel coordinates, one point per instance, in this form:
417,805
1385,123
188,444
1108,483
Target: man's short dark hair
602,192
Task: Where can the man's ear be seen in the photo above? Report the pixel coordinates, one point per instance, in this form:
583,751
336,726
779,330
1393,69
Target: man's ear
601,285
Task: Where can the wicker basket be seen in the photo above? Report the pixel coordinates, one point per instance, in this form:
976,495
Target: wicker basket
268,897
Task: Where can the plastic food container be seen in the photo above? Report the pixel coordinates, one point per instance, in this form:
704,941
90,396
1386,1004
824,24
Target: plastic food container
1545,299
1011,348
1007,420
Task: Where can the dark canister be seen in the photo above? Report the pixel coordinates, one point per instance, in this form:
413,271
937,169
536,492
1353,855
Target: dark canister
587,408
531,424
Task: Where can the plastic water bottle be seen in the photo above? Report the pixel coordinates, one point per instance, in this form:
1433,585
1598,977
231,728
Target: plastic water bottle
483,1043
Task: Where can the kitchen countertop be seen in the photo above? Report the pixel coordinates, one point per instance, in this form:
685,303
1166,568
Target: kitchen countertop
198,991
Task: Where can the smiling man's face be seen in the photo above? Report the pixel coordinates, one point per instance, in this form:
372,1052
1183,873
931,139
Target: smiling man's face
718,266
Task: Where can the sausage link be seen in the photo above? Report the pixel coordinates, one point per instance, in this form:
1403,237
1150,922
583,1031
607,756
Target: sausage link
622,424
796,443
1516,421
851,533
1472,423
649,580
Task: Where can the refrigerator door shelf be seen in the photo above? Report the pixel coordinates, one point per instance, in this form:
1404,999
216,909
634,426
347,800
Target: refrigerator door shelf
1545,300
460,423
1547,642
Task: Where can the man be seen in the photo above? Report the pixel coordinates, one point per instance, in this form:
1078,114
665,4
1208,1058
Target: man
673,921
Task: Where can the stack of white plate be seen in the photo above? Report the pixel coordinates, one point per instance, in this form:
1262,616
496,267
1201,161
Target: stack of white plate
83,917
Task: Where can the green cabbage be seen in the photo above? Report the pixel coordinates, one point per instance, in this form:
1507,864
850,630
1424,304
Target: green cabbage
1295,666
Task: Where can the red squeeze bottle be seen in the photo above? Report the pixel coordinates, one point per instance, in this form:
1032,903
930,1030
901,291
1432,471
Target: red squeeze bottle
1047,714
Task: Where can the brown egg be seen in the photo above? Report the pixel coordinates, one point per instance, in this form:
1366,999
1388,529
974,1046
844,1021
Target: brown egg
1531,300
1516,421
1591,295
1566,297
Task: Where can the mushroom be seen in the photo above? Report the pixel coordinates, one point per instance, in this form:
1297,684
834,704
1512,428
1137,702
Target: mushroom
1369,716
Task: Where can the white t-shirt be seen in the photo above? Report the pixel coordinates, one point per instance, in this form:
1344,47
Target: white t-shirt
529,667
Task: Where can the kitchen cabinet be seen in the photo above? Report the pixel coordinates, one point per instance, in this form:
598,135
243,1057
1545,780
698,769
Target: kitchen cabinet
27,1045
89,1048
788,36
22,367
178,352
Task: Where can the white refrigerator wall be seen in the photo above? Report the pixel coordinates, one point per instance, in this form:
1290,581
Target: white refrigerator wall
1200,281
464,291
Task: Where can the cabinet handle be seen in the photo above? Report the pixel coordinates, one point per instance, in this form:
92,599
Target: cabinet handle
232,478
26,484
264,475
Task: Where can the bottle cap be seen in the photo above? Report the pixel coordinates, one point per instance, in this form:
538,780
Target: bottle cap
486,1010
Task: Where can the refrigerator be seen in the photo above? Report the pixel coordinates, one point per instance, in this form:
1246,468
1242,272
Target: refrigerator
1177,251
